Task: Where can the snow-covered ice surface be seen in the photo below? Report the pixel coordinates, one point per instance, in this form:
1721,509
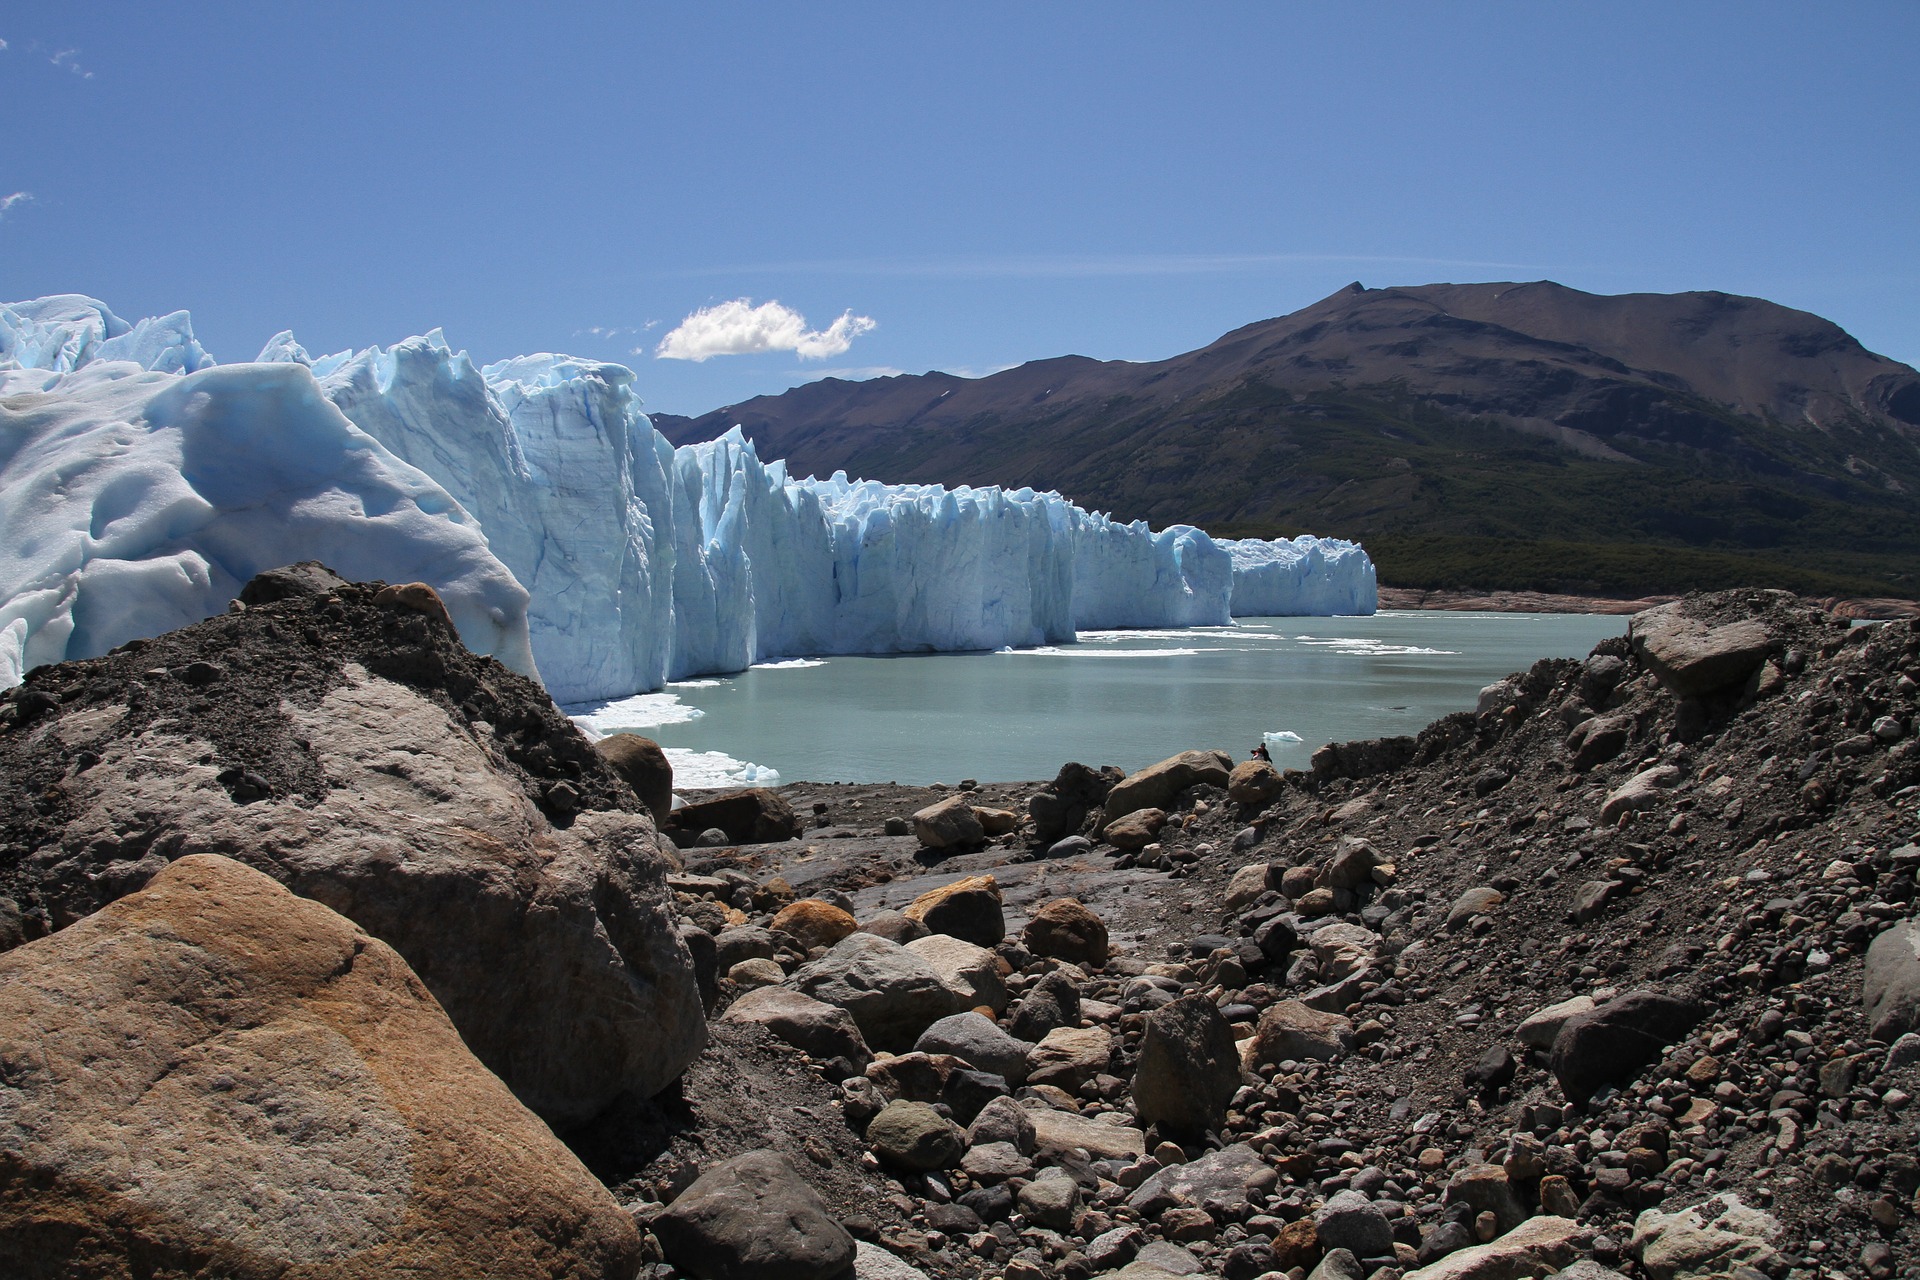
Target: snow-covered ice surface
143,484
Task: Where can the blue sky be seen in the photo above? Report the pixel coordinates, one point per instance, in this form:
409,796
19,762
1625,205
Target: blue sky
958,187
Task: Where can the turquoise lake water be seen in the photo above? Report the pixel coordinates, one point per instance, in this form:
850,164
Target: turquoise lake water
1126,698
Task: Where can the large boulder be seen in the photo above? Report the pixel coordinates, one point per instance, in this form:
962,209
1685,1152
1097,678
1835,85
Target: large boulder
971,973
1061,808
1227,1175
969,909
753,1218
1158,785
539,919
1541,1246
1893,981
756,815
1058,1132
948,824
1068,1057
1692,657
1708,1239
212,1076
1136,830
1350,1221
1289,1031
1254,782
813,923
912,1135
814,1027
1189,1067
1610,1045
1641,792
643,766
1066,930
980,1043
892,993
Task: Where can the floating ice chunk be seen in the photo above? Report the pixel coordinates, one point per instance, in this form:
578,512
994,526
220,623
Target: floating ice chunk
697,770
630,715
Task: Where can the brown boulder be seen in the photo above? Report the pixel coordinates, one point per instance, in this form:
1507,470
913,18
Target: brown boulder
212,1076
552,948
813,923
417,596
1189,1067
969,908
753,816
1158,785
1136,830
643,766
1067,931
997,822
950,824
1254,782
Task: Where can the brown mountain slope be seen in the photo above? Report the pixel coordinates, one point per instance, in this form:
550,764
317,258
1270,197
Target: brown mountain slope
1455,419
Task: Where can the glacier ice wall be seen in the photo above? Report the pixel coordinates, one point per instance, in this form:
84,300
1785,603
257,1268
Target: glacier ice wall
140,487
640,563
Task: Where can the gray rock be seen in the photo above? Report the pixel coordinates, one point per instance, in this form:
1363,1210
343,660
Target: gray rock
815,1027
1610,1045
1352,865
1338,1264
1052,1200
1002,1120
979,1042
912,1135
1598,740
742,942
871,1262
1069,847
992,1162
1903,1052
892,994
970,972
1054,1001
1226,1174
1170,1257
1709,1238
1892,985
1641,792
1188,1069
1115,1248
1056,1132
1068,1057
1588,1269
753,1218
1539,1028
895,927
1350,1221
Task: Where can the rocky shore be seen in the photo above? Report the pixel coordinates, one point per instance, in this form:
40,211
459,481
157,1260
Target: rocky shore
333,950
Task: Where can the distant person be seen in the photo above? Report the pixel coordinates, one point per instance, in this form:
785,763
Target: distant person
1260,753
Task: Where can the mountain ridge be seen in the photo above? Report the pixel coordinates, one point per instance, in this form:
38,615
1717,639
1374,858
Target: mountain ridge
1706,424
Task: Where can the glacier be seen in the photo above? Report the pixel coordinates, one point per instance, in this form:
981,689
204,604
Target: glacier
143,483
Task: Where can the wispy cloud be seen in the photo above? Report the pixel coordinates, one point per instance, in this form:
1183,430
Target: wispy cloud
3,46
18,197
1062,266
739,328
67,60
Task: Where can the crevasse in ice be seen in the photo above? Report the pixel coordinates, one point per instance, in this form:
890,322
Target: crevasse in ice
142,485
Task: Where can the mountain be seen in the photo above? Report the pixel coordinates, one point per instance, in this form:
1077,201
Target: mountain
1490,435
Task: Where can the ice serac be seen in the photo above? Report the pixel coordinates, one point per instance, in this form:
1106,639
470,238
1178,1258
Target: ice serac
640,563
141,486
1305,575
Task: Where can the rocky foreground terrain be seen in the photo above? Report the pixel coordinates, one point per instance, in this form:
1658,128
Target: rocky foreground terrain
333,950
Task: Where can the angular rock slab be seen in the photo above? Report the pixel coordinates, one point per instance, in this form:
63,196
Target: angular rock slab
1610,1045
1540,1246
892,994
1692,658
1188,1069
211,1076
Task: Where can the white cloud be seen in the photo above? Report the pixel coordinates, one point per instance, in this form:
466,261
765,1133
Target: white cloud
18,197
739,328
3,46
65,58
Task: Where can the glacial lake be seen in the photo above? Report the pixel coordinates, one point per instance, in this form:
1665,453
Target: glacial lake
1126,698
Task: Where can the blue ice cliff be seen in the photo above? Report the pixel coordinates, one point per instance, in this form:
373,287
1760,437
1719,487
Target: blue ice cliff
141,484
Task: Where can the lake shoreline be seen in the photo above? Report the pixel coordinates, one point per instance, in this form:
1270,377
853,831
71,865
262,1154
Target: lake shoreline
1877,607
